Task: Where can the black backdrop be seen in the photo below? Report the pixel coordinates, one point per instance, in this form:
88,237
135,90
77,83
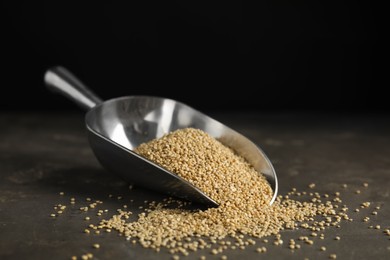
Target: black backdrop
211,55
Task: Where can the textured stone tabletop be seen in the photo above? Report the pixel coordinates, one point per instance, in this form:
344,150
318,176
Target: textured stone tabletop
43,154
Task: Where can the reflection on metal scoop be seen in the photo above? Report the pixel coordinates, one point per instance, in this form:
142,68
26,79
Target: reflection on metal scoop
117,126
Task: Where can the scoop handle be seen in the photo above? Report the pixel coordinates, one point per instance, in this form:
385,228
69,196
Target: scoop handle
59,79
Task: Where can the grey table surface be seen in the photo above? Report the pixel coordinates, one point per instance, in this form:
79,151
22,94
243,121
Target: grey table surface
43,154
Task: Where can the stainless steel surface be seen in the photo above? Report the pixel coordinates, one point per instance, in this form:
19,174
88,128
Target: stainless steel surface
117,126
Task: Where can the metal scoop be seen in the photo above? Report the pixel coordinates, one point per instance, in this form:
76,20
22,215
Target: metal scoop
117,126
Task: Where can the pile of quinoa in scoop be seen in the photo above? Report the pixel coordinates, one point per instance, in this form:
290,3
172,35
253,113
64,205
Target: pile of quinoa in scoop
243,195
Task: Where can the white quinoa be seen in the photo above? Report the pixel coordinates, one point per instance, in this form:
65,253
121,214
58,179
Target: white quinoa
243,195
207,164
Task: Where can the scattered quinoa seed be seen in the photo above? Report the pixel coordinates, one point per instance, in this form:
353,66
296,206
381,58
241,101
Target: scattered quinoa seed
243,195
310,242
262,249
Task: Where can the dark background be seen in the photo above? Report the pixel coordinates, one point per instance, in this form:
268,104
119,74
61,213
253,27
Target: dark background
275,55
